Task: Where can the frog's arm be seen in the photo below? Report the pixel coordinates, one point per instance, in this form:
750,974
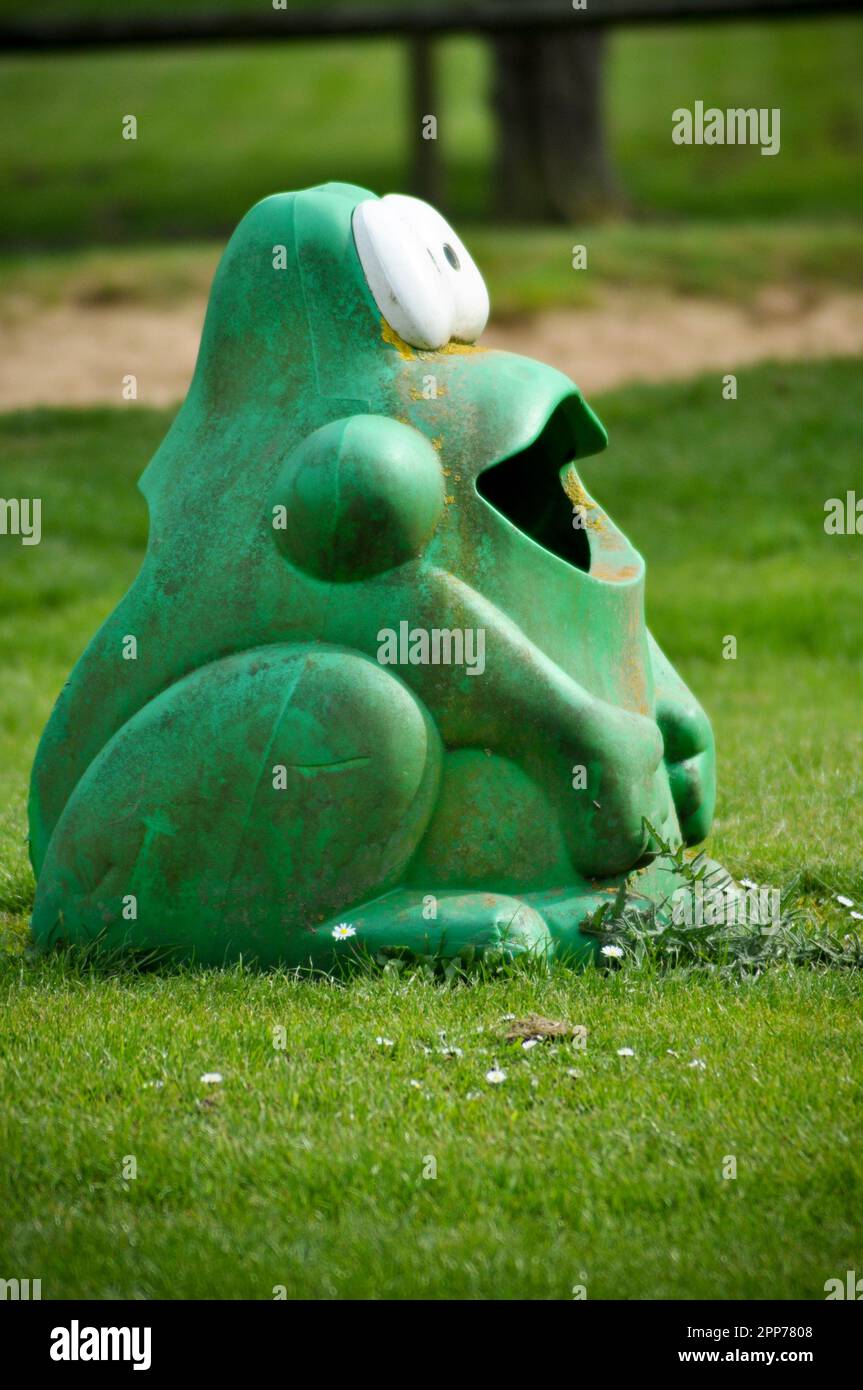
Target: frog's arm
689,747
523,694
358,500
524,706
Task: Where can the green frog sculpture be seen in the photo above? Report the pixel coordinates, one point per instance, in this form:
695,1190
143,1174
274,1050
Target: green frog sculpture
383,681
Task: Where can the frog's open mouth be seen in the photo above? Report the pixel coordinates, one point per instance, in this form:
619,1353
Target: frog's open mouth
527,489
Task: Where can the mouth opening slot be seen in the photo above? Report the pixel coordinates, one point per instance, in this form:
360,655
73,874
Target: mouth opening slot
528,490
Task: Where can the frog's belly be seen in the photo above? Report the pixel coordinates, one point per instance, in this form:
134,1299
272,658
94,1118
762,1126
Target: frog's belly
492,827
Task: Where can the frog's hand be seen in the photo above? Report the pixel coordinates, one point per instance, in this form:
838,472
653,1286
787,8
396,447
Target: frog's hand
689,748
241,808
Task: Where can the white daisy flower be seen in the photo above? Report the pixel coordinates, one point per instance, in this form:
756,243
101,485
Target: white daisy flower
212,1078
858,916
344,930
625,1052
697,1062
846,902
614,951
529,1043
384,1042
495,1076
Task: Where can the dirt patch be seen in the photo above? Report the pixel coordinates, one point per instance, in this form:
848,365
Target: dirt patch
638,337
79,354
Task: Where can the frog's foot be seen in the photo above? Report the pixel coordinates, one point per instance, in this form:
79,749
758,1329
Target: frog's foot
579,917
574,915
443,925
241,808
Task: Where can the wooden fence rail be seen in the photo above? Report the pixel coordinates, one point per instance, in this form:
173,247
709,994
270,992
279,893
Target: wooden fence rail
390,21
548,54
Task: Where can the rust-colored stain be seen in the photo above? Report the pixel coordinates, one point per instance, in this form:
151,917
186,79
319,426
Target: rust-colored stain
418,395
614,573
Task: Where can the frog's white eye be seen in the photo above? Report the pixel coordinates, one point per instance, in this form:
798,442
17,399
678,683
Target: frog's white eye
421,274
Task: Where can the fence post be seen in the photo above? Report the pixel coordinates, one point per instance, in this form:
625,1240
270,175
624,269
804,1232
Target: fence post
425,167
552,162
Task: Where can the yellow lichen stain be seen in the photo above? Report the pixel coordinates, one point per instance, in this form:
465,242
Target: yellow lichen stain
454,349
390,336
574,490
448,350
449,498
593,517
438,443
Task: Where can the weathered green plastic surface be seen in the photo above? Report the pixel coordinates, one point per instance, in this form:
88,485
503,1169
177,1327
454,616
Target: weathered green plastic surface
255,781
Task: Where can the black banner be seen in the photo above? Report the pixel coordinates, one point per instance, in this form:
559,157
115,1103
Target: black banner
66,1339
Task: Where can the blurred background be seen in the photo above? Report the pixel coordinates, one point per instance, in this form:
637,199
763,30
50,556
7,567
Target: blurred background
546,137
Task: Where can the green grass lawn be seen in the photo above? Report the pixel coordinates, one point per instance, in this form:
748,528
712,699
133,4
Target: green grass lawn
304,1166
220,127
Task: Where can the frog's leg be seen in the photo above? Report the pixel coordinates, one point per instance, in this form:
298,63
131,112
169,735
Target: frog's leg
244,807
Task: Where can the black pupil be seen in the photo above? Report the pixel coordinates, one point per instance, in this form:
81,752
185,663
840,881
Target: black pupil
451,255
